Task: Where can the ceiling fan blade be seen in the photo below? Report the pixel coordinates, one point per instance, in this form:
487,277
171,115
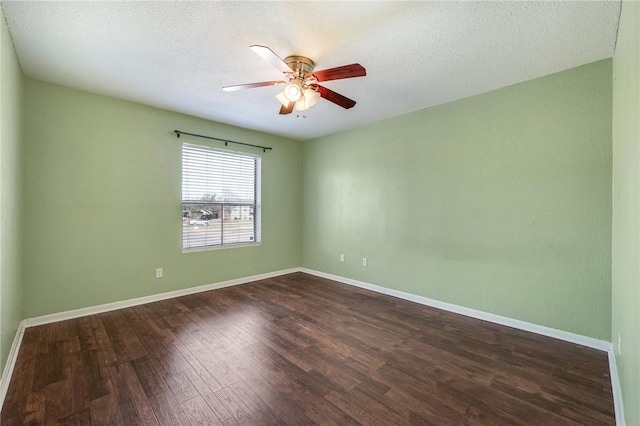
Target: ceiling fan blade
252,85
345,71
336,98
268,55
287,109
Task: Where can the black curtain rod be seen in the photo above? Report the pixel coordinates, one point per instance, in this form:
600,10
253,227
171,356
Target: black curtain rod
226,141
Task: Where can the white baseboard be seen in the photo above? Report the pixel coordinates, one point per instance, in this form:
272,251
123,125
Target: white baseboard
485,316
11,362
615,389
83,312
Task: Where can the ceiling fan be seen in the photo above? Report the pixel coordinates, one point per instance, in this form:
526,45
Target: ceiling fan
301,88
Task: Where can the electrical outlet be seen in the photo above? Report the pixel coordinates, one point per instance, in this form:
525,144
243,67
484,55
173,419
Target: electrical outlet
364,261
158,272
619,343
341,257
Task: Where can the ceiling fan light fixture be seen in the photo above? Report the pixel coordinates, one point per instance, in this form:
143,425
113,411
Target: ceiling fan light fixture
293,90
283,99
308,99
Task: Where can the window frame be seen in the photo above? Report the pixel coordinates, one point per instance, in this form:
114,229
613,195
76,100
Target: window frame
255,208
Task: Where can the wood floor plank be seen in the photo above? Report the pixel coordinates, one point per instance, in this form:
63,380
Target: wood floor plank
57,397
34,411
139,398
323,412
81,418
102,340
148,377
181,387
105,411
167,410
424,410
235,406
260,412
95,374
19,390
201,380
299,349
125,400
198,412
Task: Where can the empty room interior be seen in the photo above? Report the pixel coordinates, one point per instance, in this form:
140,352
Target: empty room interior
320,213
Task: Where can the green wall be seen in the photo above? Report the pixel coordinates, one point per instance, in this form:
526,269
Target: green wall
10,193
102,202
626,209
500,202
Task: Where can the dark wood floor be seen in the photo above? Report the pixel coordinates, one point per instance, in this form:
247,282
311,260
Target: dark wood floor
298,349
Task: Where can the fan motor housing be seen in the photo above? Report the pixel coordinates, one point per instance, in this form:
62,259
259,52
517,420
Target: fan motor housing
301,65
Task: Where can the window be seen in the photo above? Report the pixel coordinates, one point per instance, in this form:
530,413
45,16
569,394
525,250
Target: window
220,197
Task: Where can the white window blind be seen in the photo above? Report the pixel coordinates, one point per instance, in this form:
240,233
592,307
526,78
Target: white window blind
220,197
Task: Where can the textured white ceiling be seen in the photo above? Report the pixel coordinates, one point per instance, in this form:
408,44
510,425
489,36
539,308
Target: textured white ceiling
178,55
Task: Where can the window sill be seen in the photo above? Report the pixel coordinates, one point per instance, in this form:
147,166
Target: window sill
214,248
